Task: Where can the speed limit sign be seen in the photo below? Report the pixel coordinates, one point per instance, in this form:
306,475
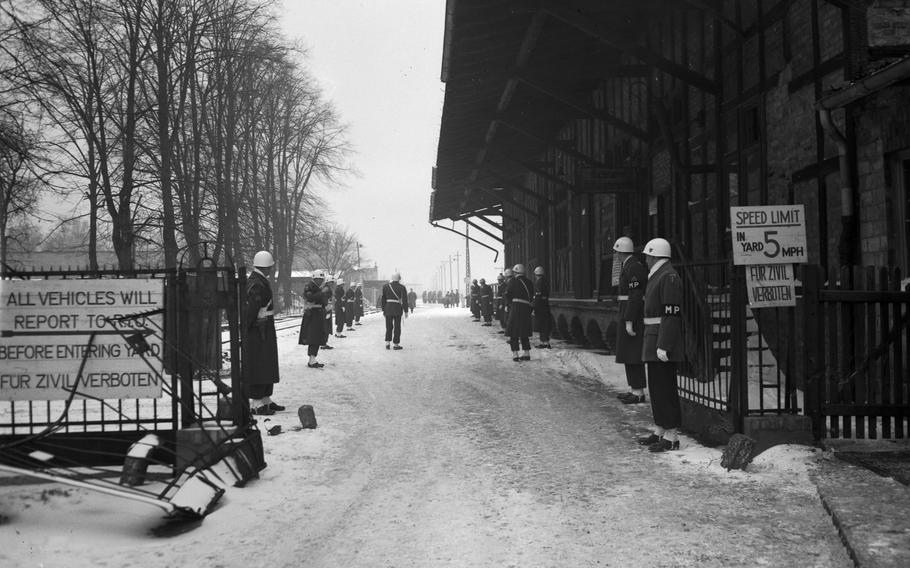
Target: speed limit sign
769,234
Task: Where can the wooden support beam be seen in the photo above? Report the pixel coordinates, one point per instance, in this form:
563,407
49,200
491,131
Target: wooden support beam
482,230
613,37
497,226
532,34
508,199
568,100
517,186
552,144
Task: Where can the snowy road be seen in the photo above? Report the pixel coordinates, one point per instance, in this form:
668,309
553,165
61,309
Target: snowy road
447,453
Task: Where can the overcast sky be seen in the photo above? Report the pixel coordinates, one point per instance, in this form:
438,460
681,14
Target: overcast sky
379,62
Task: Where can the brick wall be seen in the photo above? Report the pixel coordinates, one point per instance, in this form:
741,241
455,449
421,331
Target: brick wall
888,23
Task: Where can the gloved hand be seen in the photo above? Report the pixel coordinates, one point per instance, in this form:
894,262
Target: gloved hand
406,315
629,330
662,355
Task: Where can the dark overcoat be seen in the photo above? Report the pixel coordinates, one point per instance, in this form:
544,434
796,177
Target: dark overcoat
358,303
349,307
519,293
394,296
632,281
486,300
312,327
542,316
339,303
663,315
329,309
260,343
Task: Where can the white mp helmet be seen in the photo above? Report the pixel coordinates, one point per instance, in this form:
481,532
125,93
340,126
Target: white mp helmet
624,244
319,275
658,247
538,271
396,277
518,268
263,259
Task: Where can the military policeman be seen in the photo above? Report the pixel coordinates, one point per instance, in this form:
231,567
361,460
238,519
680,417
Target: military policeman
663,345
349,306
486,302
629,332
542,316
260,343
312,326
339,308
393,303
519,293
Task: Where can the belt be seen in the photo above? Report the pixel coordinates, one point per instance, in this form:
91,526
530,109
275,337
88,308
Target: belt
652,321
622,297
520,301
394,301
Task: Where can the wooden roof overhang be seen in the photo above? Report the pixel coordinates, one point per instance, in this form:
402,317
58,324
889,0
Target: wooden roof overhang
516,72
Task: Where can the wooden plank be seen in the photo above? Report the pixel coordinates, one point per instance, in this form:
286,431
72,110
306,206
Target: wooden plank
887,282
860,296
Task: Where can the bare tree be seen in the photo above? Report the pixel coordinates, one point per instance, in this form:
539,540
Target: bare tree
18,187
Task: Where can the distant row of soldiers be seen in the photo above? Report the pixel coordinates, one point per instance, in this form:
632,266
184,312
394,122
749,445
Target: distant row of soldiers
448,299
324,299
518,305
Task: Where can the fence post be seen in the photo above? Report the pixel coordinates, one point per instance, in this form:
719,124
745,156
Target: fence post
739,374
813,357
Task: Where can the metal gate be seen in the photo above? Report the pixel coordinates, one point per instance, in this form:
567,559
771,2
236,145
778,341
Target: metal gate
198,329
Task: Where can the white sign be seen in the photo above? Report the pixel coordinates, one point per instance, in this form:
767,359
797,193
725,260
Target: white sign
770,285
45,331
770,234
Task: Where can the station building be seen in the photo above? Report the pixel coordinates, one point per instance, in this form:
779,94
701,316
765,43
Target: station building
567,124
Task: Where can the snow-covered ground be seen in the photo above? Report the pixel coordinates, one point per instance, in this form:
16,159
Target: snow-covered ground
419,460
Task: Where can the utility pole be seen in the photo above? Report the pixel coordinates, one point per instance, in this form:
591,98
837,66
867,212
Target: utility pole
458,276
450,273
467,259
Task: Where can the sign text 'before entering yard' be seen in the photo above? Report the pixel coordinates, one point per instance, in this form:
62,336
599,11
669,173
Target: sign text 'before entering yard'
46,329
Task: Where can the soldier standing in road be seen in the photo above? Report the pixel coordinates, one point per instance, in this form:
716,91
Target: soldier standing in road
475,300
358,304
486,302
542,315
630,327
260,343
328,289
394,296
504,292
663,345
312,326
339,308
519,328
349,307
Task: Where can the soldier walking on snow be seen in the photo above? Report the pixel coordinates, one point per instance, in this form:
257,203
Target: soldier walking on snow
394,296
412,300
630,329
663,345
